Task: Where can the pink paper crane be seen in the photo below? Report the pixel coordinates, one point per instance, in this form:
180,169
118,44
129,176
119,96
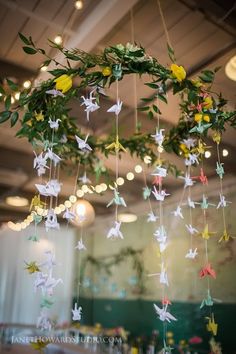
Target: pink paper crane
207,270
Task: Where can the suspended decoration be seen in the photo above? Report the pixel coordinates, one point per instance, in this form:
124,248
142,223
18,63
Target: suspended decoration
58,141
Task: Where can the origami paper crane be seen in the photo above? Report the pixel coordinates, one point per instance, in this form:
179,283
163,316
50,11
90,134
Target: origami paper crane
80,246
159,171
191,229
190,203
208,301
43,322
202,178
211,325
82,144
40,163
54,124
178,212
191,253
163,275
222,203
189,142
163,314
146,192
159,195
33,238
77,313
117,199
200,128
160,234
51,189
89,104
204,204
39,345
40,281
50,262
220,170
36,202
47,302
51,221
159,137
32,267
55,93
152,217
188,182
191,160
50,284
207,270
68,215
116,108
115,231
116,145
206,234
225,237
157,180
53,157
37,218
166,349
84,179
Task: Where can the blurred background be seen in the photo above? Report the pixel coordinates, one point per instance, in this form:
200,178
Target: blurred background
116,291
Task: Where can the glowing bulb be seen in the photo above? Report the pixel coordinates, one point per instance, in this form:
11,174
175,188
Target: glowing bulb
12,100
80,193
23,225
45,212
40,211
62,207
84,188
207,154
130,176
67,204
160,149
104,186
79,4
138,169
98,188
58,39
72,198
57,210
27,84
225,152
120,181
17,96
43,68
30,218
90,191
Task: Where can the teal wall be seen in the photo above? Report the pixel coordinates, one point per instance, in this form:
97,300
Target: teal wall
138,317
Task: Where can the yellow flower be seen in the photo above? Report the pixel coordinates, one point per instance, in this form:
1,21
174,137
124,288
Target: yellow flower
178,72
169,334
39,116
170,341
184,149
32,267
208,103
216,137
29,123
207,118
63,83
198,117
106,71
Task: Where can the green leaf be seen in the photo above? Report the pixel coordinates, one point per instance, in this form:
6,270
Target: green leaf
2,91
8,102
4,116
14,118
156,109
150,115
12,85
146,108
27,116
24,39
29,50
162,97
57,72
152,85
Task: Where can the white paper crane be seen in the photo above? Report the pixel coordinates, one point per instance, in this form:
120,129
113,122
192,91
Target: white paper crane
189,142
160,171
159,195
222,203
84,179
159,137
178,212
40,163
54,124
80,246
89,104
43,322
51,221
77,313
191,253
116,108
68,215
163,314
188,182
53,157
51,189
191,229
82,144
152,217
115,232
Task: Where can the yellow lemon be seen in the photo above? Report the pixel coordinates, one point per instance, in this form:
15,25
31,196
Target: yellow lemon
198,117
63,83
208,103
178,72
106,71
206,118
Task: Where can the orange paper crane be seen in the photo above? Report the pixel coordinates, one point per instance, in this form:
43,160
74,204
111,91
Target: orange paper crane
207,270
202,177
211,325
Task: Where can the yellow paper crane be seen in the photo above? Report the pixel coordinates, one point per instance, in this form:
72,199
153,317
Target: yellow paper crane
225,237
116,145
39,345
211,325
201,147
36,202
32,267
206,234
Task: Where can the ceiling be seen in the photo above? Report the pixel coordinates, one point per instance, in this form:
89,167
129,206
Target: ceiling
202,34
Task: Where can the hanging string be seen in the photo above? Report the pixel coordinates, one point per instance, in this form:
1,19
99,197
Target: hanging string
136,127
164,24
117,149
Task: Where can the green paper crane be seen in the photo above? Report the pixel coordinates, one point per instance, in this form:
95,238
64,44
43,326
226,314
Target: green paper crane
47,302
200,128
146,193
33,238
117,199
220,169
204,204
37,218
166,350
208,301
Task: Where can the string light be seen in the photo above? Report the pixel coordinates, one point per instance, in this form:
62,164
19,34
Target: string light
98,189
79,4
43,68
130,176
120,181
84,188
147,159
138,169
80,193
207,154
17,96
58,39
225,152
104,186
72,198
27,84
12,100
67,204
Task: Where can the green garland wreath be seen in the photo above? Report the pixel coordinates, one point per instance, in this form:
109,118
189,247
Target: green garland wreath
200,108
